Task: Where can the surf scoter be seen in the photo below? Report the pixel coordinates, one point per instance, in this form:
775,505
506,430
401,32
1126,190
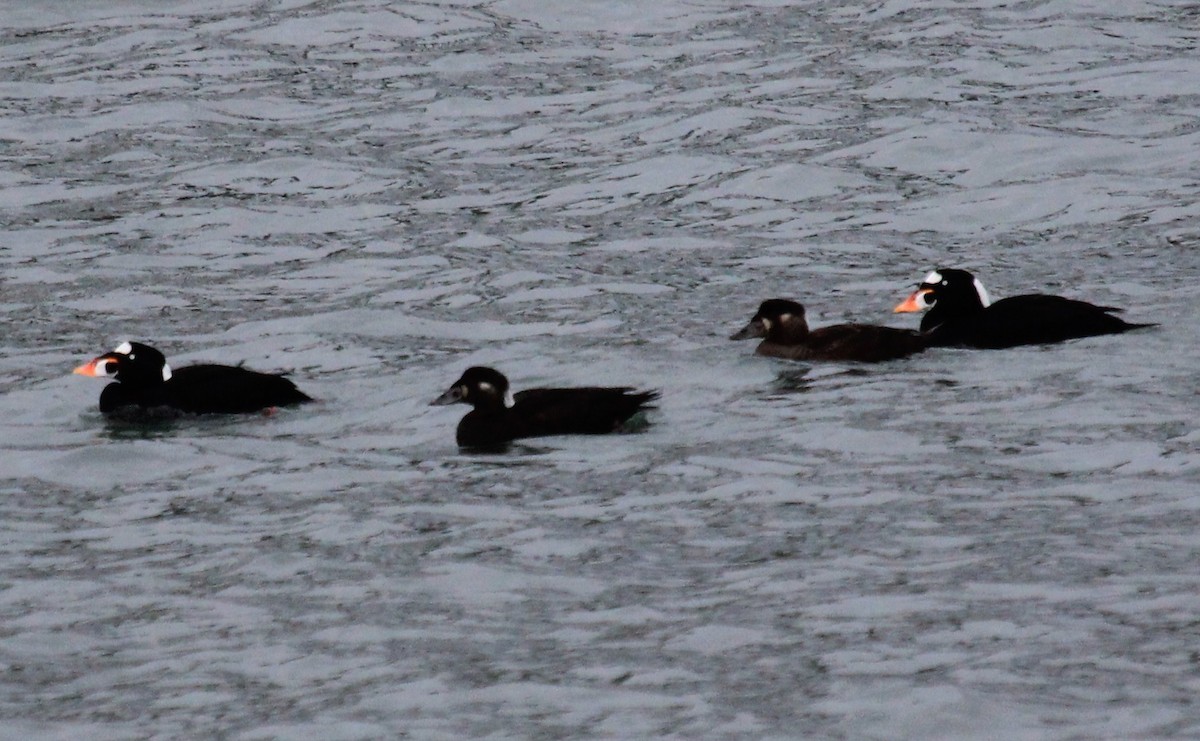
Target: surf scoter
499,416
961,314
146,386
786,335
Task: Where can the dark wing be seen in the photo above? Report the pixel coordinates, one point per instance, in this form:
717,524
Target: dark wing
223,389
571,411
858,342
1032,319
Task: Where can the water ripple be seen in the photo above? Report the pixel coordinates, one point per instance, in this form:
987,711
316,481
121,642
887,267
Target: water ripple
373,197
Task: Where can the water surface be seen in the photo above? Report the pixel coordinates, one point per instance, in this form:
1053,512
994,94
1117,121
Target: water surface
375,196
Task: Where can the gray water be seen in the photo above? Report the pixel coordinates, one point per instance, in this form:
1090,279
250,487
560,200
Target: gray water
374,196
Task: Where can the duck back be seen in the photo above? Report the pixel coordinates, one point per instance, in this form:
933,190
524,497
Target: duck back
553,411
853,342
1031,319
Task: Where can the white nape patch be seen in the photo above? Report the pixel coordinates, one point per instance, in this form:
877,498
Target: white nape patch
509,401
166,372
983,294
124,348
933,278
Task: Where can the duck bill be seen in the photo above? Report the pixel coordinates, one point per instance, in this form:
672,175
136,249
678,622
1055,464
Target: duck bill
915,302
93,368
754,329
452,396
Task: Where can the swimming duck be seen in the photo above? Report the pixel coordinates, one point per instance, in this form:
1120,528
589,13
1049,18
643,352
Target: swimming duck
961,313
782,325
500,416
145,384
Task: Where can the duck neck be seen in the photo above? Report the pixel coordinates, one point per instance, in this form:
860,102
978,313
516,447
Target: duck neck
939,313
490,405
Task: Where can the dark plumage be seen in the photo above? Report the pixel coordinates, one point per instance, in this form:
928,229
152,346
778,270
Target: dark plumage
147,387
961,314
786,335
536,412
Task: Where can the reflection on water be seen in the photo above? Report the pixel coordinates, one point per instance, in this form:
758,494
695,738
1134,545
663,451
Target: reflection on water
376,197
798,377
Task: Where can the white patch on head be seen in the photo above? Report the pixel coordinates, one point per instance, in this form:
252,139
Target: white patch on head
785,318
983,294
766,323
166,372
489,389
124,349
933,278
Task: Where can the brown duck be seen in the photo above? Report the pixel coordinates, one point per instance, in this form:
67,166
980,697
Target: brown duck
785,334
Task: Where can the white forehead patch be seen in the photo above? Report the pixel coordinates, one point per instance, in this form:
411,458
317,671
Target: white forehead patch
166,372
123,349
933,278
983,294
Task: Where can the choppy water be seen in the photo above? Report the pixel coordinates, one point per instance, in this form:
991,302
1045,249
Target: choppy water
376,195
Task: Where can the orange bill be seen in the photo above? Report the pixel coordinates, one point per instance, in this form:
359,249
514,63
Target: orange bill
912,303
93,368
